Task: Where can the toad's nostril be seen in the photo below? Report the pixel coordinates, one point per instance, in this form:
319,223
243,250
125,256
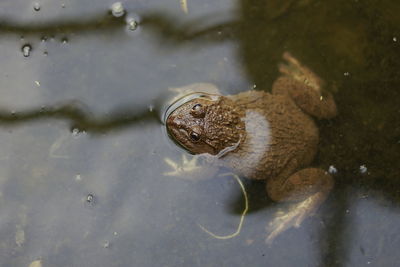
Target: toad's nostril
171,120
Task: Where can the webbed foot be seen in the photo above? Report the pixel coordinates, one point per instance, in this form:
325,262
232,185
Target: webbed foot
292,218
183,169
307,189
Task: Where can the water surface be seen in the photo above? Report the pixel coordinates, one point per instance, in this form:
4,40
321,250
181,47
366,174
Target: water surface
82,162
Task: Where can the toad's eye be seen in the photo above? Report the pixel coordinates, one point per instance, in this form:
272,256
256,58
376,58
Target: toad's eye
197,107
198,111
194,136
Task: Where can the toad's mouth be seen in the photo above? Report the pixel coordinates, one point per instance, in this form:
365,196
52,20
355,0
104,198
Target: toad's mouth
175,133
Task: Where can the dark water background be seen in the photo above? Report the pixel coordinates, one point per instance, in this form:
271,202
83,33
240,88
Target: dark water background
82,148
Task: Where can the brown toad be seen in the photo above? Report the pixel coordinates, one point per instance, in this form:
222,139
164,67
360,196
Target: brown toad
261,135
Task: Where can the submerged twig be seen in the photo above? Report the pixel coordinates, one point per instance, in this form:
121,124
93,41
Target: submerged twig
246,203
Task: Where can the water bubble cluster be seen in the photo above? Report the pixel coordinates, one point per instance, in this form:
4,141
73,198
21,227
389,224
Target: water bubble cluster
76,132
117,9
44,39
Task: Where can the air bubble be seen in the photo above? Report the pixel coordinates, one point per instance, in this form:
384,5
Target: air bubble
90,198
117,9
36,6
106,244
332,169
363,169
26,50
132,24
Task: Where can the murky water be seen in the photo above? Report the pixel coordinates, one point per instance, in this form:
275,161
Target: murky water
82,161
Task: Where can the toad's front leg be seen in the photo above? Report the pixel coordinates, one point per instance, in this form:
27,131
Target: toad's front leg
307,188
305,88
195,167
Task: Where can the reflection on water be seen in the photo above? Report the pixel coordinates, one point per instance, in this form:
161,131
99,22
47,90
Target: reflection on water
79,118
91,24
99,198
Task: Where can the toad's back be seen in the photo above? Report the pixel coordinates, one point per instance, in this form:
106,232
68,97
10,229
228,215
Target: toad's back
277,134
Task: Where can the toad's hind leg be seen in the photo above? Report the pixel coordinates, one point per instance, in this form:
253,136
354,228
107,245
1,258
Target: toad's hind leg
305,88
300,185
307,188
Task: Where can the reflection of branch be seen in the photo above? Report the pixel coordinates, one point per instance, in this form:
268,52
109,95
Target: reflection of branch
164,26
336,238
168,29
79,119
102,22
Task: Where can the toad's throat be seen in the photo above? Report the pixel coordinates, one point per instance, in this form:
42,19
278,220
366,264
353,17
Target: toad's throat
256,143
228,149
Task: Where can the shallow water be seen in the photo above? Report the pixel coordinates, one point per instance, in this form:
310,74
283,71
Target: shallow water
82,162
